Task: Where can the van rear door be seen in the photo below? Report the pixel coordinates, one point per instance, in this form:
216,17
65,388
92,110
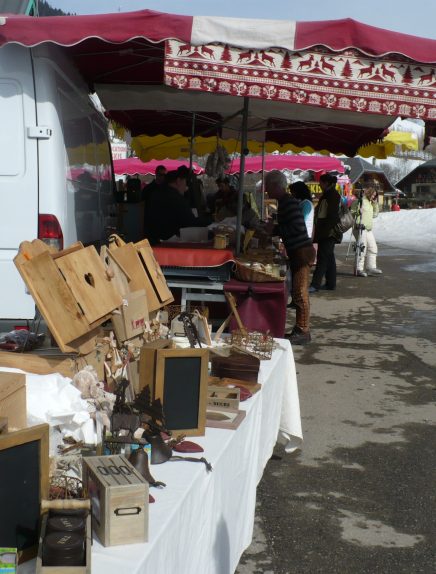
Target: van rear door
18,175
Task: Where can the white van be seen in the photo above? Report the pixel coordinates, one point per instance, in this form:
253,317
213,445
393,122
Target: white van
56,179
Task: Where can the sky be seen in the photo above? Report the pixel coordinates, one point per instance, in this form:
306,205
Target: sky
416,17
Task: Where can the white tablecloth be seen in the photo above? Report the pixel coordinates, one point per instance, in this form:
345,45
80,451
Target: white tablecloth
202,522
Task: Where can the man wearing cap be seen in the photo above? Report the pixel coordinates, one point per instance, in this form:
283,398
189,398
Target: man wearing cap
168,210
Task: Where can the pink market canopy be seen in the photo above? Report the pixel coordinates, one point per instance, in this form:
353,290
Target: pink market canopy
133,165
331,85
289,162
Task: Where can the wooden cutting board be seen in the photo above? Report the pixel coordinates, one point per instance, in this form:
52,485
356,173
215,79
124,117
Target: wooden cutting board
154,272
86,277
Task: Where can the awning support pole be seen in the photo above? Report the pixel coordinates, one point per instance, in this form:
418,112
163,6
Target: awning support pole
244,130
191,145
262,196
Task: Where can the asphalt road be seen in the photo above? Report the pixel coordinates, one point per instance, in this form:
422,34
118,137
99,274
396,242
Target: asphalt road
359,498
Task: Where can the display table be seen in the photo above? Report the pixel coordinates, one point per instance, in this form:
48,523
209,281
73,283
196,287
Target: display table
202,522
262,306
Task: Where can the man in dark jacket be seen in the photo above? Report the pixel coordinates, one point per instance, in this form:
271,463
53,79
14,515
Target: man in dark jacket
325,219
299,248
168,211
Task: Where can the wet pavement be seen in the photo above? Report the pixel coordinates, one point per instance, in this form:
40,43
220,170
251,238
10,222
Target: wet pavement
360,496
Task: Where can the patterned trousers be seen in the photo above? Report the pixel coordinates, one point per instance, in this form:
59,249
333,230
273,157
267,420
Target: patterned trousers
300,293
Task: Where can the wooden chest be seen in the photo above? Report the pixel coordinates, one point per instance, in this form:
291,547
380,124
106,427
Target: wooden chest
119,499
13,399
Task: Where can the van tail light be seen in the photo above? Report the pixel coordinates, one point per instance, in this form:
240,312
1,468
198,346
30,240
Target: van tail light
49,231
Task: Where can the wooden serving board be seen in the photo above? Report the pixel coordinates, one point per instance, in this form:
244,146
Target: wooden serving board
128,258
154,272
85,275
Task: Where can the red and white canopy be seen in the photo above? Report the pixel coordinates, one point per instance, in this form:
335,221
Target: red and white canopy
134,165
332,85
294,163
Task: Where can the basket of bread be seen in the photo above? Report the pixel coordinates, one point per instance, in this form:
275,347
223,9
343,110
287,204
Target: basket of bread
256,272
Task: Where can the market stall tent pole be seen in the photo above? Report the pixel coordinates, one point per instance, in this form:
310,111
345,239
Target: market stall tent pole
191,143
262,189
242,173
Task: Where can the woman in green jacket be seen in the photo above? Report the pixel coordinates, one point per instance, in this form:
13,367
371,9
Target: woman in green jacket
364,211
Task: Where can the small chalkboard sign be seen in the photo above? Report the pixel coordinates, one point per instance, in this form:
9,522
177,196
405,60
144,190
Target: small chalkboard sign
24,481
181,385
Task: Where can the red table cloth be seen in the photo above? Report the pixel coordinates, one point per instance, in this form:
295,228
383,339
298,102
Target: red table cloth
192,257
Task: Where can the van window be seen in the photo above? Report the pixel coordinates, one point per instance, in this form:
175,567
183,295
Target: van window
12,129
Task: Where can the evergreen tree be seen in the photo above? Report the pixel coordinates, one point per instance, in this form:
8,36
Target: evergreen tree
286,64
347,71
44,9
407,76
226,56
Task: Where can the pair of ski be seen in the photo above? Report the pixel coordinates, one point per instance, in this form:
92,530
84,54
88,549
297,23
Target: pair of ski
357,231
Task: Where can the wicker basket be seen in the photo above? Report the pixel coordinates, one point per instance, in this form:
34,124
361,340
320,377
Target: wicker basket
245,273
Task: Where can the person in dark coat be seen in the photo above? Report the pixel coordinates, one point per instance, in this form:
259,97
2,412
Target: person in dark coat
156,184
168,211
299,248
325,219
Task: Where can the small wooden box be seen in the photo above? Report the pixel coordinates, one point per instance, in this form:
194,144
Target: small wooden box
223,397
13,399
119,499
85,569
132,317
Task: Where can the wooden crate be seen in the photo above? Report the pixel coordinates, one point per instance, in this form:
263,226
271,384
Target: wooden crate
13,399
85,569
119,499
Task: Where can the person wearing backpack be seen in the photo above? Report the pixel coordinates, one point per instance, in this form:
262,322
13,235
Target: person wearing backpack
364,215
325,235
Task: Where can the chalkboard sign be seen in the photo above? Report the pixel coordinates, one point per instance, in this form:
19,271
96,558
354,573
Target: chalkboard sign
181,385
24,466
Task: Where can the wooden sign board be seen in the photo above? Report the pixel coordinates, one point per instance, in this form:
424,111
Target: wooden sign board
181,385
24,481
